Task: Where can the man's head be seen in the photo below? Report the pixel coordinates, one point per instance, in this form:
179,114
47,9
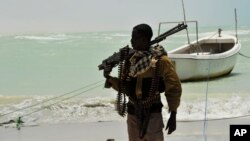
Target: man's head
141,37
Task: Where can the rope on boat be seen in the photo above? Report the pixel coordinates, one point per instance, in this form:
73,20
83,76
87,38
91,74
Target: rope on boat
236,25
67,98
53,98
206,97
244,55
185,21
19,121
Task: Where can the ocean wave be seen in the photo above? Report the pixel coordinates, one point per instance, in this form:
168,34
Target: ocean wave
120,35
239,32
54,37
103,109
110,36
87,109
217,108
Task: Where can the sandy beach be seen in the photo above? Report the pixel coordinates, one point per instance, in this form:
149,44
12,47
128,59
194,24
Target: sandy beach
217,130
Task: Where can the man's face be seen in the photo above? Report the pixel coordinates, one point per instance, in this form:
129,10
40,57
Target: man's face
138,41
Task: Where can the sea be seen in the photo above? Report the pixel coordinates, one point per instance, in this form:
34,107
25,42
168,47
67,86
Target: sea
51,78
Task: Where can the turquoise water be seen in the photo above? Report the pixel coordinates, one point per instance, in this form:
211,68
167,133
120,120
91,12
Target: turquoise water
48,64
35,67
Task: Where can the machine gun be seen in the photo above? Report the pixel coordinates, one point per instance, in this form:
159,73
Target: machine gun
113,60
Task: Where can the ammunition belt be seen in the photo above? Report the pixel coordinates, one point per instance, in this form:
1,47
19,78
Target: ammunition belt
147,103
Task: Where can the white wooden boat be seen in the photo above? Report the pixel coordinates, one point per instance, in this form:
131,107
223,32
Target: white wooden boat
210,57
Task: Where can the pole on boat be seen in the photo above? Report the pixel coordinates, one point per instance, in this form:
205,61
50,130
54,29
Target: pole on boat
185,20
236,26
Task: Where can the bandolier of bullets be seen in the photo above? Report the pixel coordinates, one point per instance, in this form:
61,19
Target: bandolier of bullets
154,95
143,106
123,73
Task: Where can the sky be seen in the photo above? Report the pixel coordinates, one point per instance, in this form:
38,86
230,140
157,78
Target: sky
23,16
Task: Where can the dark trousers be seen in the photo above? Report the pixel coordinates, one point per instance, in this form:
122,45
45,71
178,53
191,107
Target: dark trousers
154,130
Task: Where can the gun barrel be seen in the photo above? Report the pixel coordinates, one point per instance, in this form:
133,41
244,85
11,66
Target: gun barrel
174,30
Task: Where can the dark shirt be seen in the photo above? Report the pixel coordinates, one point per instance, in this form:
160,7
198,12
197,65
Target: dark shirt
146,85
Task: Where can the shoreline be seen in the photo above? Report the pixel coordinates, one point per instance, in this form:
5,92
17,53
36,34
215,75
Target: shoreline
101,131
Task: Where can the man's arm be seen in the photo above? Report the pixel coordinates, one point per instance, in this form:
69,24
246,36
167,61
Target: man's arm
114,81
173,91
172,83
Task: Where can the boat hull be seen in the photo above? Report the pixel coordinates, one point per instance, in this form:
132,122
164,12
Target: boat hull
218,58
189,69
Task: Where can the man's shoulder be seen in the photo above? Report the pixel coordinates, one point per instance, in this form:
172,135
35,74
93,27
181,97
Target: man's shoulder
165,61
165,58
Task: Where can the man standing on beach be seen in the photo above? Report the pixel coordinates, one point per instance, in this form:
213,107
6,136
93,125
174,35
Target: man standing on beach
150,72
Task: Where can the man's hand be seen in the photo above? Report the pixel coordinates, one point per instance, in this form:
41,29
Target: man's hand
107,70
171,125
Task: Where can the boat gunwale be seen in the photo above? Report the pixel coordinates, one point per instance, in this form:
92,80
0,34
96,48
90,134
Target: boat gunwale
234,50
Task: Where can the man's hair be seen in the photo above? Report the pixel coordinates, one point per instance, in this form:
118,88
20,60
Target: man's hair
144,30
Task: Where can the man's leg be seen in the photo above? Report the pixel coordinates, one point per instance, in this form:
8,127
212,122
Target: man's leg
154,130
133,131
155,126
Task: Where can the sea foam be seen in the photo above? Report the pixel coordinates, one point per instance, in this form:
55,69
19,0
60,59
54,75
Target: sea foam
103,109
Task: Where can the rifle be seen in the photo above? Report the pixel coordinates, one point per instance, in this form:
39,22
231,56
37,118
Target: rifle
113,60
